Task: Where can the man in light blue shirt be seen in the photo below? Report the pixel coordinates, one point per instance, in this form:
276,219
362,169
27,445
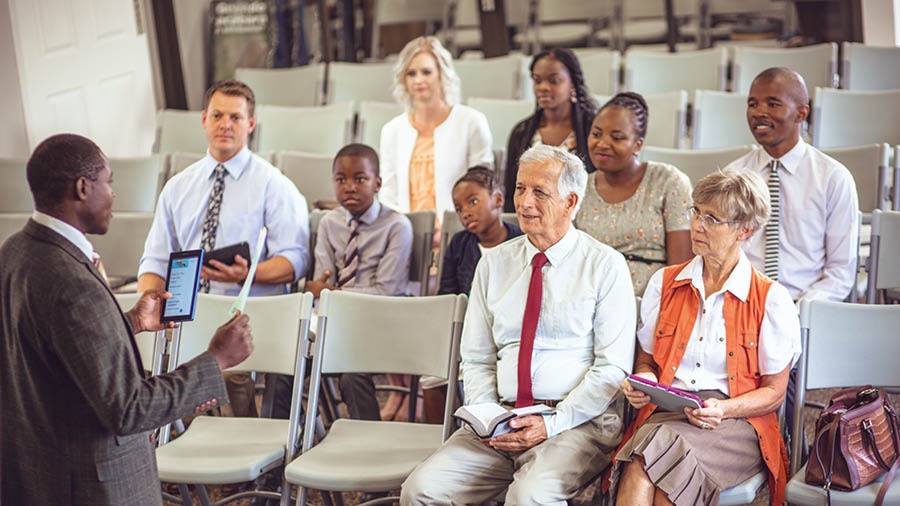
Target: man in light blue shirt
572,356
251,194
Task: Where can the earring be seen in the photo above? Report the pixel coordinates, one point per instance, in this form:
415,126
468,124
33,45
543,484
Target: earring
574,98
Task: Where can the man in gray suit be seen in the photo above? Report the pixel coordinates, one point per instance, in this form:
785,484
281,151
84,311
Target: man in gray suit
76,408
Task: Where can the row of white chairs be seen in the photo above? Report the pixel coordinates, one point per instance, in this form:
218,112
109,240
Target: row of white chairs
420,335
863,68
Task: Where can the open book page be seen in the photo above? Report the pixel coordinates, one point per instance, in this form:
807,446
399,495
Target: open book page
491,419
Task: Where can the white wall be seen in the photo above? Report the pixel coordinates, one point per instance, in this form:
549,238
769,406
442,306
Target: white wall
881,22
13,137
191,21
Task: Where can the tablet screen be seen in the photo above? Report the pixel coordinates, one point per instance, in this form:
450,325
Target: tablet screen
182,281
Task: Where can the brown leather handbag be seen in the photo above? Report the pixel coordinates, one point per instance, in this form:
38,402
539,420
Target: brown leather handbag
856,441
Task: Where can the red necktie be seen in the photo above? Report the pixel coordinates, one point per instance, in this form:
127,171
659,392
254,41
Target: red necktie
524,396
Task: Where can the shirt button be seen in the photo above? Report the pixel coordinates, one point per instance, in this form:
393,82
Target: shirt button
704,310
721,339
681,345
673,367
701,338
732,378
751,343
693,381
730,353
698,364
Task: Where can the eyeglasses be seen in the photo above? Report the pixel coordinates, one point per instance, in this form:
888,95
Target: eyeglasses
707,220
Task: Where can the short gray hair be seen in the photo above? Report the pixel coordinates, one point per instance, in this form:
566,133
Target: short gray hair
741,196
450,83
572,179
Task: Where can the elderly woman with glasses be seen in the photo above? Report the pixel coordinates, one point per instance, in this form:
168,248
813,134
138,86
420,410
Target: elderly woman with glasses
718,328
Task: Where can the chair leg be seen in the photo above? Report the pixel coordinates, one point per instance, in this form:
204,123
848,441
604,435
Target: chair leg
185,494
413,398
201,492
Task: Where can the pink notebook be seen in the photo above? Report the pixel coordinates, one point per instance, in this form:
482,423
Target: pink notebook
665,397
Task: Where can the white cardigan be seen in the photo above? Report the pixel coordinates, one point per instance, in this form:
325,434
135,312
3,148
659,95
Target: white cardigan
461,141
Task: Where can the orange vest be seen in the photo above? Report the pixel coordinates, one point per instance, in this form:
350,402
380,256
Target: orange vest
677,315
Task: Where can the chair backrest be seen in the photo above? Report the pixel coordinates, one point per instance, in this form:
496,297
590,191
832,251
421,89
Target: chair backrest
390,12
179,131
370,333
502,115
122,246
450,226
695,163
355,82
503,77
869,165
421,256
601,69
322,130
10,223
884,269
720,120
315,216
653,71
180,161
844,345
136,182
277,322
295,86
310,172
852,118
146,341
372,117
510,218
15,195
868,68
817,64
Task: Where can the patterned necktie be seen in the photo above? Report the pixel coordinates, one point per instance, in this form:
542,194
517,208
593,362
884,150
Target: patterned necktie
211,222
99,265
771,265
524,395
347,275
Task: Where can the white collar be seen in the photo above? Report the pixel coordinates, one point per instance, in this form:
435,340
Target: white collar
738,282
234,165
62,228
790,161
558,251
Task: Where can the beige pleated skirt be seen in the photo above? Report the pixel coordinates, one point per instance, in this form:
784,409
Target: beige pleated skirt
692,465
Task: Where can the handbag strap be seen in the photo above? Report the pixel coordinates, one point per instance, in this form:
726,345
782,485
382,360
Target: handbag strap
879,500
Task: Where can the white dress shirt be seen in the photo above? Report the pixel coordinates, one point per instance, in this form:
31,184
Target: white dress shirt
584,343
703,365
256,194
819,225
461,141
72,234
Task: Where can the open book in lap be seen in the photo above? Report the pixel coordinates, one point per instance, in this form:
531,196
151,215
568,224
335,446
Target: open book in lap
489,419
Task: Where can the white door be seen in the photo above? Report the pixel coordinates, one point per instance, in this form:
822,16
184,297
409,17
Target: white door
84,69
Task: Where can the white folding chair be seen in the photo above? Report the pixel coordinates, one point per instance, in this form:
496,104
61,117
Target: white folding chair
502,115
221,450
601,69
884,269
391,12
371,118
817,64
463,31
870,166
843,345
179,131
294,86
180,161
136,182
564,23
869,68
852,118
15,194
122,246
450,225
696,163
10,223
147,342
668,117
355,82
360,333
720,120
653,72
311,173
322,130
503,77
421,256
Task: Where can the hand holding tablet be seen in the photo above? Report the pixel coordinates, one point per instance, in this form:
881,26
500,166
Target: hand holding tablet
182,281
665,397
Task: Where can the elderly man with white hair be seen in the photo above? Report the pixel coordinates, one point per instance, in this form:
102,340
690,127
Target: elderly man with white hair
551,320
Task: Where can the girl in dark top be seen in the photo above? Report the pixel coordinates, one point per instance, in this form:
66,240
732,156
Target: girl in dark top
563,115
478,200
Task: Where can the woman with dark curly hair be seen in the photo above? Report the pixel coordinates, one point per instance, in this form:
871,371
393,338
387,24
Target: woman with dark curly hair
562,117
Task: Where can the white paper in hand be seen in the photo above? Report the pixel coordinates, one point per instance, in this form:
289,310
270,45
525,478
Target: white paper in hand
241,300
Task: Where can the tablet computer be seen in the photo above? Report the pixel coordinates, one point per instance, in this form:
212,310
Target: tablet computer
182,281
665,397
226,254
